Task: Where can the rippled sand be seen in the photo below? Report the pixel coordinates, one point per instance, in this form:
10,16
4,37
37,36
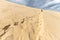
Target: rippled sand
18,22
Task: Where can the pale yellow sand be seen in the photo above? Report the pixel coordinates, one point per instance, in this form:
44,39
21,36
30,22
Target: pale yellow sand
18,22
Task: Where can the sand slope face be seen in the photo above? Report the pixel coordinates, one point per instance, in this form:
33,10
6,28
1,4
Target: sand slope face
52,25
19,22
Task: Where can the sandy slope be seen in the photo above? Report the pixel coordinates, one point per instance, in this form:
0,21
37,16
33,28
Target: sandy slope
22,22
52,25
18,22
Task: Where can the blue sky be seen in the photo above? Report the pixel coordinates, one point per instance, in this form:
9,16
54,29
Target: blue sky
41,4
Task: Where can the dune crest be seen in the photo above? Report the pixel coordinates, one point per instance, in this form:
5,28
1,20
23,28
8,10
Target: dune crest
18,22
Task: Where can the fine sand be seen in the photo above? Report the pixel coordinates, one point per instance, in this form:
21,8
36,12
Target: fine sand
18,22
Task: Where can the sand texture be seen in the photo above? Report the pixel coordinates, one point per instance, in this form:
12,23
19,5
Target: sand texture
18,22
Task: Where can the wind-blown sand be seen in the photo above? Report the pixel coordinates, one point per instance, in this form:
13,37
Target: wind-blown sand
18,22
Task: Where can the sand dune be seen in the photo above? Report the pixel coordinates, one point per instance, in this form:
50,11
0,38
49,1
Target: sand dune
18,22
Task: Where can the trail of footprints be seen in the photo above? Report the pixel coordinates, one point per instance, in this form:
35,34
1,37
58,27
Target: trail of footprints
29,26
